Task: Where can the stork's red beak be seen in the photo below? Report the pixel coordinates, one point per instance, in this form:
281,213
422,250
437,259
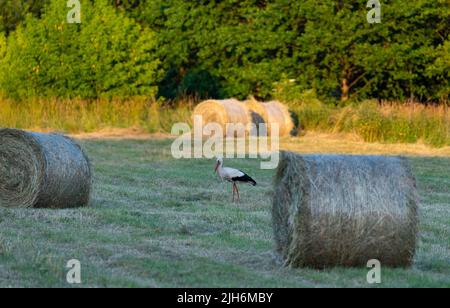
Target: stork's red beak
217,167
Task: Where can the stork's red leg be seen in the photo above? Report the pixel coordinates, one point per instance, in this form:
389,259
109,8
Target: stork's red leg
233,191
237,190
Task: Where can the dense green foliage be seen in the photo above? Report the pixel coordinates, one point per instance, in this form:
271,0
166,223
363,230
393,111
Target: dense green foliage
2,45
386,60
224,48
12,12
107,55
247,46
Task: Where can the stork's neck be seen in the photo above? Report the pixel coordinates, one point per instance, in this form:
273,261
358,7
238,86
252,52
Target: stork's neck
220,170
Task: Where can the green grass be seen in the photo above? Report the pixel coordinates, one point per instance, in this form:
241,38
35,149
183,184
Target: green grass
159,222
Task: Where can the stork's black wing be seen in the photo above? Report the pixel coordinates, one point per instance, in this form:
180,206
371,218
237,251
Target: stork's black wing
244,178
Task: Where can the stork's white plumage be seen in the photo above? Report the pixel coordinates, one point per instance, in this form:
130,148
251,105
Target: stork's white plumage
233,175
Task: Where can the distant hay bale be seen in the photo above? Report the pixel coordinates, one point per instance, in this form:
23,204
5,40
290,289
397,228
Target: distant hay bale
273,112
232,111
42,171
258,116
223,112
332,210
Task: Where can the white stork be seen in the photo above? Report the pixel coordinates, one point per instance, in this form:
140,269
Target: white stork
233,176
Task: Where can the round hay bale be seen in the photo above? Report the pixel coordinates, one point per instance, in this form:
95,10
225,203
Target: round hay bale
334,210
273,112
42,171
258,115
223,112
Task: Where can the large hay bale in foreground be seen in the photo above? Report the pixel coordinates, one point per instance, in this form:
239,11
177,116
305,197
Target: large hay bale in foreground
223,112
273,112
42,171
331,210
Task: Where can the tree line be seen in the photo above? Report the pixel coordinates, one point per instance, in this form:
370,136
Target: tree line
226,48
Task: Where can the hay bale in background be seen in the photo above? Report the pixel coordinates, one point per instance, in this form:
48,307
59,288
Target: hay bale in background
273,112
42,171
232,111
331,210
258,116
222,112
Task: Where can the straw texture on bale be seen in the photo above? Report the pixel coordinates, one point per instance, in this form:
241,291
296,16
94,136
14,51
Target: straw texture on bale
333,210
223,112
42,171
273,112
257,114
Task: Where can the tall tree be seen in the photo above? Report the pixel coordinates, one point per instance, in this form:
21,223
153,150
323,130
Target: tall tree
107,55
343,55
242,47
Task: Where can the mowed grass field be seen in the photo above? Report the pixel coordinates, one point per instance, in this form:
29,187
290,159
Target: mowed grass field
159,222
